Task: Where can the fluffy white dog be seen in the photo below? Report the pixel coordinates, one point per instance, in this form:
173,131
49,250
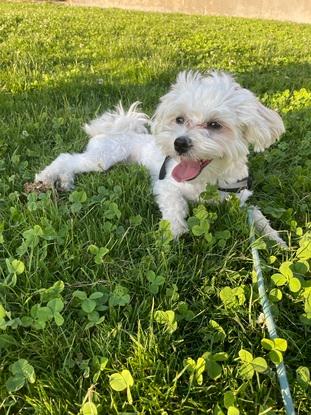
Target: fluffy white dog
200,134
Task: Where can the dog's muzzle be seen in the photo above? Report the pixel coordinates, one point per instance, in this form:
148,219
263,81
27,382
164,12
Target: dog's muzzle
182,144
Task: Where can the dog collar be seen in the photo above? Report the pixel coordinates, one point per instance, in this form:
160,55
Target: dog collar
236,187
162,173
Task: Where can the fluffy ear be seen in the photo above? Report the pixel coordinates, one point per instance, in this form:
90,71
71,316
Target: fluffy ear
263,127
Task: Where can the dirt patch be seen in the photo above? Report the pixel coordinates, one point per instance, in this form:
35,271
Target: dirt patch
287,10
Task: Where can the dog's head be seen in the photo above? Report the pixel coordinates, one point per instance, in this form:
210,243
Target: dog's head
208,117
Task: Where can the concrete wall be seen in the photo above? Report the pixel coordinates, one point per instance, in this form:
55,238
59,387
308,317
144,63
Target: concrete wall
291,10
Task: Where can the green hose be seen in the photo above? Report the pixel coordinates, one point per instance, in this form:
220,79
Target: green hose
280,369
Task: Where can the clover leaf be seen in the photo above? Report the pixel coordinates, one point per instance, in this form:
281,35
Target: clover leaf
99,253
232,297
303,377
121,381
250,365
304,251
183,312
276,347
89,408
22,372
119,296
77,198
196,369
213,368
166,318
156,281
286,277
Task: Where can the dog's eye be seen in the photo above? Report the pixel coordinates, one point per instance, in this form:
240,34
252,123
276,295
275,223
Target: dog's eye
180,120
214,125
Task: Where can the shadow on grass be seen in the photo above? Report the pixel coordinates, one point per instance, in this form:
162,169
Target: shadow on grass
52,117
277,78
100,90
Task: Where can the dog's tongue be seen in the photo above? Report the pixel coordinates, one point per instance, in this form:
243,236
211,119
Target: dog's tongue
188,169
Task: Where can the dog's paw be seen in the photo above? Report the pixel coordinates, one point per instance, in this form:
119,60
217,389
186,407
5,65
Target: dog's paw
62,182
179,228
45,179
281,243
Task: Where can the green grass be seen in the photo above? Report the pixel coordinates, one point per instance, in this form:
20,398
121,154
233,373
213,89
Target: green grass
61,66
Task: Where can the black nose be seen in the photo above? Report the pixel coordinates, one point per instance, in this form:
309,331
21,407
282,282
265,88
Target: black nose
182,144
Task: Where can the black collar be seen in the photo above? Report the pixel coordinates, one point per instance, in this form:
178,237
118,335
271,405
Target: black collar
236,187
162,173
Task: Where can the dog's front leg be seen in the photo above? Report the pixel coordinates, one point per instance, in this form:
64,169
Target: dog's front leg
173,206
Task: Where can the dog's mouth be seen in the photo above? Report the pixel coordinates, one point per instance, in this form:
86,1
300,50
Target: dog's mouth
188,170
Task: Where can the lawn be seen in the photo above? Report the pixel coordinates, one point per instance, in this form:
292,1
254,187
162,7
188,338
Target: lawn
100,311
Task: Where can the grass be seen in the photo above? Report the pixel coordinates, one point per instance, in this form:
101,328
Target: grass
90,284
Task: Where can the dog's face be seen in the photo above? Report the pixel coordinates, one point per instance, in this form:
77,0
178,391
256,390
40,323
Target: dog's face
210,117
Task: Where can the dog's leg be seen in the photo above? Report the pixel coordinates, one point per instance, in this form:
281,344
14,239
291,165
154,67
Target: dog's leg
173,206
115,136
262,225
101,153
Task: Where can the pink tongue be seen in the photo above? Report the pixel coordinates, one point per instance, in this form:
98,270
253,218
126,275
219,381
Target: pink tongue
188,169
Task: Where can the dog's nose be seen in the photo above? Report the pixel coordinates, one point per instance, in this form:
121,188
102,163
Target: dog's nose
182,144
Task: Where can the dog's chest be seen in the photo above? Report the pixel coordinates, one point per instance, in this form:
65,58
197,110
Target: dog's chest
191,191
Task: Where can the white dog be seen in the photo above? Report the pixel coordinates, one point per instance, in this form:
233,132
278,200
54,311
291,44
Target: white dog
201,134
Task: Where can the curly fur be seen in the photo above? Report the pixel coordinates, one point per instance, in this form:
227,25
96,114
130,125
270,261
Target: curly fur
200,101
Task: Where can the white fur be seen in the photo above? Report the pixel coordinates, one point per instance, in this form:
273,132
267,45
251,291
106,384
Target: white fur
199,99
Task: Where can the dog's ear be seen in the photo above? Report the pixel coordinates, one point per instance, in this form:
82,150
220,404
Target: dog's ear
262,126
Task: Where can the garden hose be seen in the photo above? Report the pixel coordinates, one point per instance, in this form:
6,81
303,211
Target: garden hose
280,369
